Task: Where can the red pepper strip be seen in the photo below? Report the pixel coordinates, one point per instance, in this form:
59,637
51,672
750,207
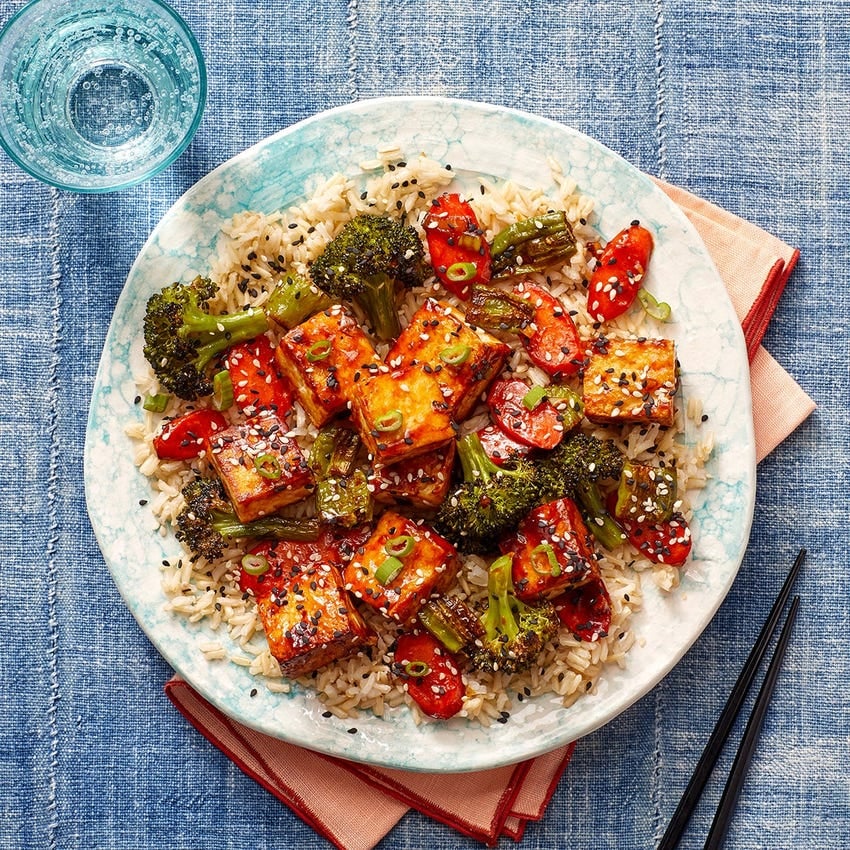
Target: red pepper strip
460,255
432,674
554,344
666,542
619,273
499,447
186,436
257,381
552,550
586,610
663,543
541,427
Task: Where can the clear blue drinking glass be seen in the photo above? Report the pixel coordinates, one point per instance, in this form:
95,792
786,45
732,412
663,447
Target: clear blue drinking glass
98,95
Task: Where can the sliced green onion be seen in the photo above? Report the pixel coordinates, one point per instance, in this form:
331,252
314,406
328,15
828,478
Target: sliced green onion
459,272
222,390
156,403
417,669
400,546
388,570
268,466
319,350
255,565
554,568
533,397
391,421
454,355
653,307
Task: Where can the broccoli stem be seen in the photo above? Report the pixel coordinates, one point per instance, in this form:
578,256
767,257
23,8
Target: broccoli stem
378,300
294,299
603,526
271,527
500,618
474,462
225,330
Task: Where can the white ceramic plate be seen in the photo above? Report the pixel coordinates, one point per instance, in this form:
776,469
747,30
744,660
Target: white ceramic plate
474,138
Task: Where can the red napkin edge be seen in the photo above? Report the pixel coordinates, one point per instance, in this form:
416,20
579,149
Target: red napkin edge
761,312
294,804
505,820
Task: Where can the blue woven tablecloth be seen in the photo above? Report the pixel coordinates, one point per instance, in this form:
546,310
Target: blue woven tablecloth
745,104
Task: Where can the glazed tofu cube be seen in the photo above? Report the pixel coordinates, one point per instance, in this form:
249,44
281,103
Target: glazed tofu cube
425,564
630,381
307,615
435,338
553,551
401,414
262,469
324,358
422,481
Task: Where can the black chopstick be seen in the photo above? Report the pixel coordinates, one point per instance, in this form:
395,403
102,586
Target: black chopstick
727,717
729,799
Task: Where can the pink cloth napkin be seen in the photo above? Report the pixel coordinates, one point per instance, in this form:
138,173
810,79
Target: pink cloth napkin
354,806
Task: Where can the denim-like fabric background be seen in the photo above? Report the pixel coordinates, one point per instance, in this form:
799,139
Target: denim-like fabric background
747,104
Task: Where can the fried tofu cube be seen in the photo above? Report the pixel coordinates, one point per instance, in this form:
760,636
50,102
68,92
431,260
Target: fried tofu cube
262,469
630,381
436,337
422,481
396,585
553,551
307,615
400,414
324,358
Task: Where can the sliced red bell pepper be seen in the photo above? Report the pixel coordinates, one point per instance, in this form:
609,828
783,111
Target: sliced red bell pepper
586,610
186,436
500,447
667,542
460,255
258,384
553,343
552,550
662,543
531,421
619,273
432,674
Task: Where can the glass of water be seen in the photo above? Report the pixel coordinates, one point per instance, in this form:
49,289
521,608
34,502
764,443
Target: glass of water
97,95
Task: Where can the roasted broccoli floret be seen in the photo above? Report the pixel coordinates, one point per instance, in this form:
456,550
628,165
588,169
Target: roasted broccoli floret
514,632
573,469
365,262
182,337
533,244
578,458
208,522
491,499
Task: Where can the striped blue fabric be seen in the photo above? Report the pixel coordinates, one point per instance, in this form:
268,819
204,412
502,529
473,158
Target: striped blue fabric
743,103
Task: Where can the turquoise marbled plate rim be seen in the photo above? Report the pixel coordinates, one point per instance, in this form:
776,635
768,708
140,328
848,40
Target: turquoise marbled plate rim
474,138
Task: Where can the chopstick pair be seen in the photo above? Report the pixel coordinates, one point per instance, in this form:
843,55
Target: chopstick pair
712,750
